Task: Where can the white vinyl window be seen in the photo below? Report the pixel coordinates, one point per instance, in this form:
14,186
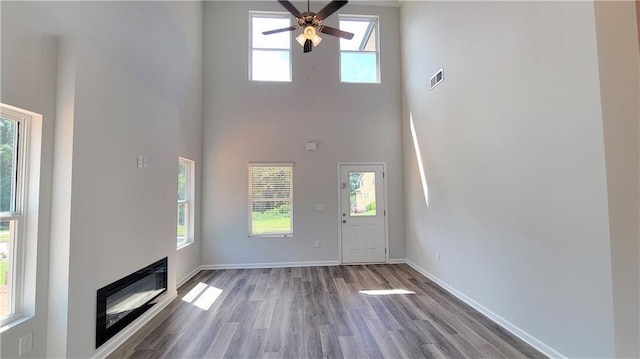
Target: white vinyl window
186,175
271,199
360,56
13,157
270,55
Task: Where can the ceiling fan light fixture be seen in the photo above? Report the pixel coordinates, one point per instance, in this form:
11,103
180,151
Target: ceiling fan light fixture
316,40
309,33
312,24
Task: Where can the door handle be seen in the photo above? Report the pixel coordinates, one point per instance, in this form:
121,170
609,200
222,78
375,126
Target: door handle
344,221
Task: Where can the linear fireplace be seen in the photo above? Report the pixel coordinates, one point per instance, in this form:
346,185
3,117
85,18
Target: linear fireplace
121,302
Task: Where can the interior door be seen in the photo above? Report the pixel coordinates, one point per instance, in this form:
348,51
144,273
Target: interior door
362,214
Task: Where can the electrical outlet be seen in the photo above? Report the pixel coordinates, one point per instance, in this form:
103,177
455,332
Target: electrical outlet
26,344
438,256
317,244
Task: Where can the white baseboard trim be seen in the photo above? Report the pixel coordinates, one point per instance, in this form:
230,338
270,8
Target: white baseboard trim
524,336
118,339
188,276
270,265
397,261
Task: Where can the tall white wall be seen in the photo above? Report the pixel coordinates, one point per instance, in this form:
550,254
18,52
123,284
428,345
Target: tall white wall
619,59
513,148
270,122
28,74
121,216
136,87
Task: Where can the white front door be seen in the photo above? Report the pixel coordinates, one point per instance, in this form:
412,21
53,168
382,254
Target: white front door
362,214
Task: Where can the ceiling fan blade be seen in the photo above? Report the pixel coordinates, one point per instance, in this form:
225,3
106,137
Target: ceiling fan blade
289,6
330,9
291,28
308,46
336,32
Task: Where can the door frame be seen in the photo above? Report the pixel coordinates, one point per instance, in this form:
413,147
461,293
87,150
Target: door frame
385,209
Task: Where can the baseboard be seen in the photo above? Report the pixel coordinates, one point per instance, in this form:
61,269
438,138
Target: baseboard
513,329
270,265
397,261
188,276
118,339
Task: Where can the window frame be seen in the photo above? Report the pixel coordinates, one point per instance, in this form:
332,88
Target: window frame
250,166
17,213
358,17
188,202
268,14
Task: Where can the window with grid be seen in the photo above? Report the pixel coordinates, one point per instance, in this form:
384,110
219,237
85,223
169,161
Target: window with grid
271,200
270,55
186,177
12,220
360,56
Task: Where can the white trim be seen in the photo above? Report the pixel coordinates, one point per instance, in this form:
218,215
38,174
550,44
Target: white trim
188,276
360,17
269,265
508,326
397,261
251,200
386,204
271,164
126,333
273,14
25,213
189,202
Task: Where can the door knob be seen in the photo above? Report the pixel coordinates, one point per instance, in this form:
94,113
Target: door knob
344,221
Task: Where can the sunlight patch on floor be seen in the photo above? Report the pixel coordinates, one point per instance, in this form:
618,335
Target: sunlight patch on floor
202,296
386,291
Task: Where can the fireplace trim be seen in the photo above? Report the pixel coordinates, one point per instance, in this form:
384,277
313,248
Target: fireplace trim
103,334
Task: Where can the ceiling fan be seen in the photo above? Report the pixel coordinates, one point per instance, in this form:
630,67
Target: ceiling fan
312,23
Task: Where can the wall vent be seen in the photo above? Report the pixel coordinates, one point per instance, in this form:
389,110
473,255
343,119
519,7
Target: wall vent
437,78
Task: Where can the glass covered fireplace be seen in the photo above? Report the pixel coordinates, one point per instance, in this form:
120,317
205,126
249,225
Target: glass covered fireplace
121,302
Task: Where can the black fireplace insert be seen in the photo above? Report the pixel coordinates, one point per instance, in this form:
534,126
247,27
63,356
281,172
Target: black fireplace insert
124,300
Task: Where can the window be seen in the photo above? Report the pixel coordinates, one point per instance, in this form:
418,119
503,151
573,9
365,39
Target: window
13,155
270,55
186,194
362,193
359,57
271,199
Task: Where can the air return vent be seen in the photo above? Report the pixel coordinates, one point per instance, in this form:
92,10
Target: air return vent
437,78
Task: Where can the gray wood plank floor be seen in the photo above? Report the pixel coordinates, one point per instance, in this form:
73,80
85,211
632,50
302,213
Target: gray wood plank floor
319,312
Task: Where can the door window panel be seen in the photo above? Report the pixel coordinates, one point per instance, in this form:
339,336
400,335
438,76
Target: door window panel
362,194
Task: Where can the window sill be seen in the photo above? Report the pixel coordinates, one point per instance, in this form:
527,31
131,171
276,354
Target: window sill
271,235
363,83
14,323
184,245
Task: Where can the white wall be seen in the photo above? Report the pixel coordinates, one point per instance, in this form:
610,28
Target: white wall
270,122
618,57
29,82
137,90
513,147
121,216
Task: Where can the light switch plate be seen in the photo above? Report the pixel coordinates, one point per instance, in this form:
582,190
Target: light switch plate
26,344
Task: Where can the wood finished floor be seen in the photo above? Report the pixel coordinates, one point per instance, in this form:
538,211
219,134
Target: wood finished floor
318,312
